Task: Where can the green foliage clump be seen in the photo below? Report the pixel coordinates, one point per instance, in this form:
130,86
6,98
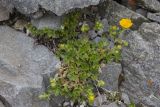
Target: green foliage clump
98,26
79,73
66,32
85,28
81,58
132,104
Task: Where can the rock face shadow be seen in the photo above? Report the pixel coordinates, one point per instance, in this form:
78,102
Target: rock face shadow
4,102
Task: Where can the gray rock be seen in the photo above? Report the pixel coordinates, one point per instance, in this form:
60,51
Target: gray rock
49,21
97,39
151,101
154,17
37,14
110,74
66,104
150,32
153,5
105,24
99,100
117,11
142,11
92,34
58,7
100,32
1,104
57,101
125,98
4,13
81,106
111,105
22,69
141,64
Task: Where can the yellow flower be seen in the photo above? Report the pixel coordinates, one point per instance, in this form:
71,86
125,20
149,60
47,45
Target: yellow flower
126,23
91,98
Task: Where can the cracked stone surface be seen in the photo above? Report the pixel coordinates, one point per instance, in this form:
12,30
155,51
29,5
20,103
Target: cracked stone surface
4,13
154,17
22,67
141,65
153,5
110,74
117,11
48,21
58,7
1,104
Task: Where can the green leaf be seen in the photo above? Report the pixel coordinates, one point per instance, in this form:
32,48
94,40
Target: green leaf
85,28
132,104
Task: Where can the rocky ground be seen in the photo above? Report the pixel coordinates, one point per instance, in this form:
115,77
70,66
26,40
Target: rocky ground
25,66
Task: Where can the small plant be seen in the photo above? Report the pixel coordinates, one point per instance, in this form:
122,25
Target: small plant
132,104
85,28
81,59
98,26
81,62
66,32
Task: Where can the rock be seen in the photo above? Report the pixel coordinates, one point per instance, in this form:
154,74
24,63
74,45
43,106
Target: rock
49,21
117,11
4,13
151,101
99,100
97,39
66,104
153,5
154,17
23,69
110,74
81,106
1,104
58,7
37,14
100,32
105,24
142,12
125,98
150,32
92,34
141,65
57,101
111,105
